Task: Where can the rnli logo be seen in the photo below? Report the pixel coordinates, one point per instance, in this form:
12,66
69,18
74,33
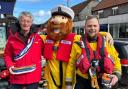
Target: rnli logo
66,42
49,41
36,42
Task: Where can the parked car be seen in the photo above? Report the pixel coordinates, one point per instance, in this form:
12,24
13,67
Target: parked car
122,48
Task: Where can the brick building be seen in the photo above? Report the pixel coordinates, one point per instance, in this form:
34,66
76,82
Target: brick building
113,17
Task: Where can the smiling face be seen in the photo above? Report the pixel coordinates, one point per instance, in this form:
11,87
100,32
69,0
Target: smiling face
58,27
25,23
92,27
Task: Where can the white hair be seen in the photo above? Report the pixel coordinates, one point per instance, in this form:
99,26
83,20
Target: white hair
25,13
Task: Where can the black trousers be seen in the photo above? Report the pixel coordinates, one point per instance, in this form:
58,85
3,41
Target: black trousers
82,83
24,86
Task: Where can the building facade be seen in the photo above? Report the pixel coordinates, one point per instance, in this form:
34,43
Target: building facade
82,10
113,16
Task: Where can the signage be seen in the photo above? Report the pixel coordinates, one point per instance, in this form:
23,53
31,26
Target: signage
6,7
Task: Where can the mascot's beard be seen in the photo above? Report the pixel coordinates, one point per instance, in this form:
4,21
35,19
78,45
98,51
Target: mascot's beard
58,32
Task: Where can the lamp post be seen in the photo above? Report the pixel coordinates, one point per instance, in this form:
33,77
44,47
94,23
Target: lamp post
67,3
108,24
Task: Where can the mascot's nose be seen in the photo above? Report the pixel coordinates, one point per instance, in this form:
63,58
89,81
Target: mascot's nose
55,21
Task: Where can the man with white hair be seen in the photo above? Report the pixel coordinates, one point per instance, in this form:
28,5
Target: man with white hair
23,54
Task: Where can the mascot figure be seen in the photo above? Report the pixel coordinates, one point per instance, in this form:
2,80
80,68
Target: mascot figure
61,50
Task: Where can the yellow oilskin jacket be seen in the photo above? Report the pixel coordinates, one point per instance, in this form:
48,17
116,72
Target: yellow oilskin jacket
112,53
52,67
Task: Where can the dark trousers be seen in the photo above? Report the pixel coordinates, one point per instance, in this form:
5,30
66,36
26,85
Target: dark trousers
82,83
24,86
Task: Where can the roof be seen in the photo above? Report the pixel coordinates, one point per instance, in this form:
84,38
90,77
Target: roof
79,7
109,3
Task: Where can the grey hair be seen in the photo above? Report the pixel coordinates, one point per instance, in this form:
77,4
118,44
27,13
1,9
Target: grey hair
25,13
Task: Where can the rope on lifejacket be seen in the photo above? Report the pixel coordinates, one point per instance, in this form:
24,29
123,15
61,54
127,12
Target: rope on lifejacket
94,82
93,76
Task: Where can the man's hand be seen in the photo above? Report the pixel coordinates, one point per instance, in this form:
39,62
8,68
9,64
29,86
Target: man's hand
109,38
69,87
10,70
114,80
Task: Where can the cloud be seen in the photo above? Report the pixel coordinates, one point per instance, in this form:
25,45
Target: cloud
40,20
41,13
41,16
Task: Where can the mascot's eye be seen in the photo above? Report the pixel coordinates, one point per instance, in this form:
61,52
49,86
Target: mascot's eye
63,17
53,17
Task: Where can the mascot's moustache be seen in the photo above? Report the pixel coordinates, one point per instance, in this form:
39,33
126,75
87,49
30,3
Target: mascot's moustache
56,26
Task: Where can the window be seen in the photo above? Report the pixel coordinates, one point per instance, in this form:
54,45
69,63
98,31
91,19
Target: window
2,37
81,30
76,18
114,30
119,30
115,10
123,30
0,7
1,15
78,30
100,13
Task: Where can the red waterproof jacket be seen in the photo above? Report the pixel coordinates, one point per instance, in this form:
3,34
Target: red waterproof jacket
33,57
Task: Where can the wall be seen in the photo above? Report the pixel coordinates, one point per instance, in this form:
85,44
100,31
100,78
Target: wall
87,10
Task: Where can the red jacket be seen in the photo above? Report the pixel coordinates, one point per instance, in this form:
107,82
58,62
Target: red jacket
13,47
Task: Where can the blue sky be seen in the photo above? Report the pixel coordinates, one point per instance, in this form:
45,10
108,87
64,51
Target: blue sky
40,8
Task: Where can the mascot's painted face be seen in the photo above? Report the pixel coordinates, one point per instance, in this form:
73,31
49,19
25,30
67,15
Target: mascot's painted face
59,27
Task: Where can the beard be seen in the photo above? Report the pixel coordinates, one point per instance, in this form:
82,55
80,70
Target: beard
59,31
